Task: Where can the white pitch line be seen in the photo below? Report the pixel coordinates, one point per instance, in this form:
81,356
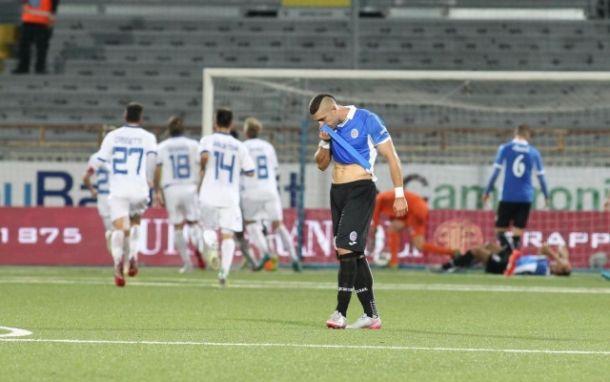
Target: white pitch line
14,332
311,346
275,284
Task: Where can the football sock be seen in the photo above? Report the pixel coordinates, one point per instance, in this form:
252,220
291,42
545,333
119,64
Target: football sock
134,236
464,260
364,287
501,236
255,234
431,248
245,250
516,241
117,238
181,247
227,248
394,244
346,280
108,236
286,242
195,236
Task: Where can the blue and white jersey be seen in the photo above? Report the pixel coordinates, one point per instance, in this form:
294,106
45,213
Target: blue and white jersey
126,152
519,159
101,175
179,158
532,265
228,158
363,130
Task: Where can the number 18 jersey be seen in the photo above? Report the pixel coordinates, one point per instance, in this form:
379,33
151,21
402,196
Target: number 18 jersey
179,157
228,158
125,152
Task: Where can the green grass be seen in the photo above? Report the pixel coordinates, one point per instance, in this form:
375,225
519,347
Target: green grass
427,319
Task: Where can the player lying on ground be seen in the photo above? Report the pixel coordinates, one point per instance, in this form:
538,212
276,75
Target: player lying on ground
415,222
504,260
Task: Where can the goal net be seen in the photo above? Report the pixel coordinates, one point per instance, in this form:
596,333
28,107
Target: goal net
446,127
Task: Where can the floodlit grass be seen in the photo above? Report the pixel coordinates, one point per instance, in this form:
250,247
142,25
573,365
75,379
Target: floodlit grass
270,326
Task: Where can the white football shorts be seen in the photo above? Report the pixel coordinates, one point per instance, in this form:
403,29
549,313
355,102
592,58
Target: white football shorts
122,207
181,203
226,217
270,209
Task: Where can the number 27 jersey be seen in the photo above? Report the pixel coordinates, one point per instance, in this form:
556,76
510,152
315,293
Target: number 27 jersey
227,159
125,151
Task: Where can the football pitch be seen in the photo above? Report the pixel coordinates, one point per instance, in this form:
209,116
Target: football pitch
270,327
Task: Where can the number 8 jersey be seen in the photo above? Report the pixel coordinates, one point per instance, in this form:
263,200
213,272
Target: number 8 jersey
126,153
228,158
263,185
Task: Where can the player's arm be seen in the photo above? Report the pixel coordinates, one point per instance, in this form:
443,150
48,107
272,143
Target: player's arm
389,152
322,155
87,181
541,177
157,186
203,162
494,175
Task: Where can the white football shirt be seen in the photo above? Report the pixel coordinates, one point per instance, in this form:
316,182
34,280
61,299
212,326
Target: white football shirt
227,159
101,174
263,185
179,157
125,151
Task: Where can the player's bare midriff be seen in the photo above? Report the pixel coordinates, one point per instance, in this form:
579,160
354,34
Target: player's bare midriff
346,173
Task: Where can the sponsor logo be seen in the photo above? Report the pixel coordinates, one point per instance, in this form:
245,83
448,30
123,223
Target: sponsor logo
458,233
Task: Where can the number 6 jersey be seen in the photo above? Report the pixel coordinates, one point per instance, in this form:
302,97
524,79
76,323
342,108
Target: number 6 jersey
126,152
228,158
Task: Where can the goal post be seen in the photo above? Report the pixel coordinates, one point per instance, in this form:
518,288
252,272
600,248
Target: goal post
446,127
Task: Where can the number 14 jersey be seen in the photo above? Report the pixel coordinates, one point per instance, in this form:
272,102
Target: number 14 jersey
228,158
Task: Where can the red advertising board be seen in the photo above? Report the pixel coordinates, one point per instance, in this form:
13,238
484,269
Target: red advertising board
75,235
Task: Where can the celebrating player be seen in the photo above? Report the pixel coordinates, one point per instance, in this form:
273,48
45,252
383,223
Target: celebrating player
518,158
259,196
223,160
357,135
416,221
129,152
99,191
178,173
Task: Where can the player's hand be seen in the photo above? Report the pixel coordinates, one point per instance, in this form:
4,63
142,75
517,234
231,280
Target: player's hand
400,207
485,199
159,202
607,204
324,136
94,194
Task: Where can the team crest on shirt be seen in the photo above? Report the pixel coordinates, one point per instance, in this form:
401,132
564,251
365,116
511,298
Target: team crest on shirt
353,236
354,133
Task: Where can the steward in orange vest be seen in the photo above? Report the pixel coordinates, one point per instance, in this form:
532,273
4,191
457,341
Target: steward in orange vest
37,20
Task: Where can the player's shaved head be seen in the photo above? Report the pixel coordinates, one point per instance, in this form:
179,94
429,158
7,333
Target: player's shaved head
321,102
252,127
175,125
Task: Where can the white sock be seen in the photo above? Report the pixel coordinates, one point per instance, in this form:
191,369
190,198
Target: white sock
287,242
227,249
255,234
134,236
117,239
181,247
210,239
270,240
196,236
108,236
